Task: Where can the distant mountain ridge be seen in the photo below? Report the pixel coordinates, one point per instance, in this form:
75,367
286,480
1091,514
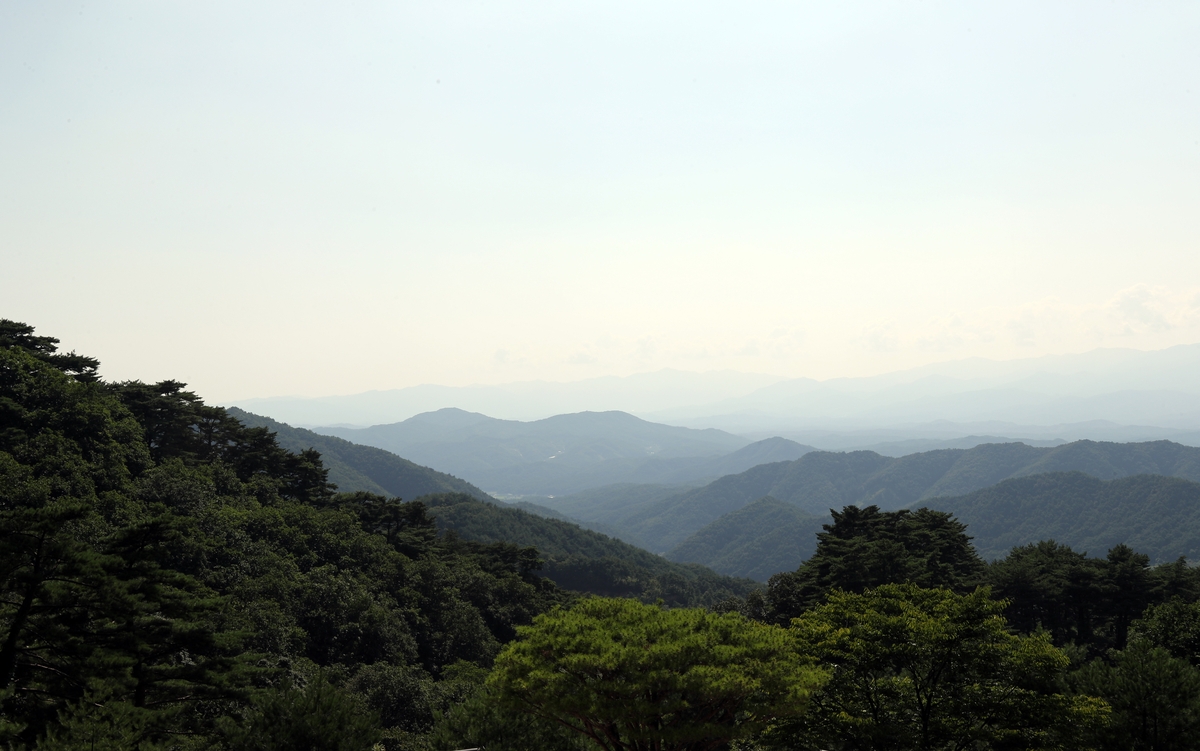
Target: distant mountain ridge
1156,389
523,400
1155,515
564,453
819,481
576,557
1122,386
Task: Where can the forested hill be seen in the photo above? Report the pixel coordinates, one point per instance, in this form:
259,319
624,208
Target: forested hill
582,560
821,480
575,558
756,541
169,571
1155,515
172,572
353,467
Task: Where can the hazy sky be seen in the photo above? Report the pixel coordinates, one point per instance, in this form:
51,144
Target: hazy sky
268,198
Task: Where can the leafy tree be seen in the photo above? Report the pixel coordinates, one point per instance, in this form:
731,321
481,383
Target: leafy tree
319,717
482,721
866,547
1155,699
1174,626
14,335
1050,587
918,668
1129,585
629,676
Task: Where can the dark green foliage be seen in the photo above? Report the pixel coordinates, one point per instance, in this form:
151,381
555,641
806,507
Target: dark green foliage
922,669
1174,626
1050,587
1155,700
319,717
178,425
161,564
757,541
14,335
585,561
866,547
353,467
481,722
1093,602
1156,515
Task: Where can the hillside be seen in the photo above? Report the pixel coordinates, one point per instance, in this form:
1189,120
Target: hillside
1155,515
820,480
575,557
582,560
169,569
755,542
554,456
354,467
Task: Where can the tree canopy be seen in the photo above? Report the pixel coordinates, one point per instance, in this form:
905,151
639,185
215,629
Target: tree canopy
866,547
635,677
917,668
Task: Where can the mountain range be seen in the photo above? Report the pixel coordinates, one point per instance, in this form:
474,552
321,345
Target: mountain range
575,557
567,453
820,480
1104,394
770,498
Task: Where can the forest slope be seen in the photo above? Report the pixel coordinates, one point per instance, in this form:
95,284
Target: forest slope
583,560
1156,515
575,557
756,542
354,467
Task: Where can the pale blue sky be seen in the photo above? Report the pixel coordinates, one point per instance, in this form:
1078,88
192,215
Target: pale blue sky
292,198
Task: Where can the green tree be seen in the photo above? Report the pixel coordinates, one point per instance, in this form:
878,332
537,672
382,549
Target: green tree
319,717
1173,626
1155,699
637,677
923,669
866,547
17,335
1051,587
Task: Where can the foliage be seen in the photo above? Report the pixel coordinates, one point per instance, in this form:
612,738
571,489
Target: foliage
921,668
1086,601
866,547
1174,626
318,717
1155,699
633,676
584,561
161,564
482,721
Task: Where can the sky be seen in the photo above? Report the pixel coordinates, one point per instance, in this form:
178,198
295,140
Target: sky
294,198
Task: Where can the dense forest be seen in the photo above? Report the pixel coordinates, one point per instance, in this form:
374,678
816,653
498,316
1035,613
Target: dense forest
173,578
